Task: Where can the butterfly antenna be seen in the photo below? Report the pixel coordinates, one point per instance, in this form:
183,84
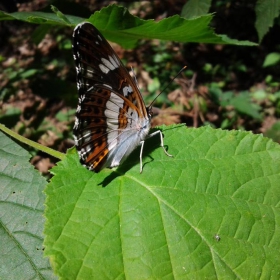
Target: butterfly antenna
183,69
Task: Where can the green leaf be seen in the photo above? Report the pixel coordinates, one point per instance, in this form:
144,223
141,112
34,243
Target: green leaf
39,18
194,8
28,73
125,29
21,208
274,132
211,211
60,14
266,12
271,59
118,25
243,103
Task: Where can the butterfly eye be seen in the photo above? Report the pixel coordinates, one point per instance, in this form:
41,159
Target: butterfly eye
150,112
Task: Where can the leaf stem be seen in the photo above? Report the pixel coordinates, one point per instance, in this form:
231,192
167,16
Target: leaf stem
31,143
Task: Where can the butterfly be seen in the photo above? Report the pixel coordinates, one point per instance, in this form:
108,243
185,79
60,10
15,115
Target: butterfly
111,117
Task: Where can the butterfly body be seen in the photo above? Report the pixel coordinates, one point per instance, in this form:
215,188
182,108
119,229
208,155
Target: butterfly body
111,117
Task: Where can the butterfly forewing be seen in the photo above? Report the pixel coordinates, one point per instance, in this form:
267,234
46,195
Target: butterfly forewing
98,64
111,117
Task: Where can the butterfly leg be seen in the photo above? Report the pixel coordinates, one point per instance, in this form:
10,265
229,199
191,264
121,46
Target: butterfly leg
161,140
161,144
141,151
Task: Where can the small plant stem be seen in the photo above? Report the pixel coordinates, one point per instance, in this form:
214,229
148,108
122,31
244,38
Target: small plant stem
31,143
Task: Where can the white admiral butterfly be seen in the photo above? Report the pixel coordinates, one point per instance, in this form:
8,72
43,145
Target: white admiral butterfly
111,117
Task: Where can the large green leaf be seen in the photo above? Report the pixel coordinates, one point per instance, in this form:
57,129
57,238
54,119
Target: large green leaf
211,211
21,215
118,25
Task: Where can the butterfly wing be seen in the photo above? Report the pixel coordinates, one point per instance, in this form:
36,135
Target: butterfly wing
111,117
